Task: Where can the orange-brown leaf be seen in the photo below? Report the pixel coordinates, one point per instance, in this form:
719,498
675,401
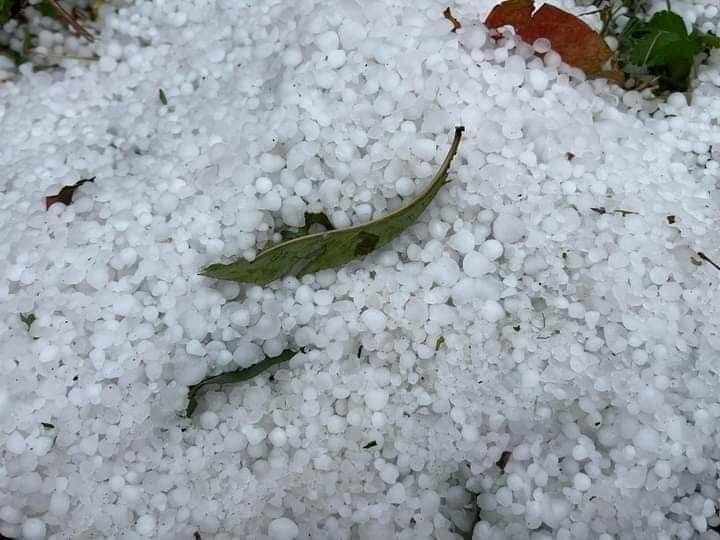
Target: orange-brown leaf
577,43
516,13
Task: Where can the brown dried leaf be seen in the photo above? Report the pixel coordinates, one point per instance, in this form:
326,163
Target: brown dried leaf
577,43
65,195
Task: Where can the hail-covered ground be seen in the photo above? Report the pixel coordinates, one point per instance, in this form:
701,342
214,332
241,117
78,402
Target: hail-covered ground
543,345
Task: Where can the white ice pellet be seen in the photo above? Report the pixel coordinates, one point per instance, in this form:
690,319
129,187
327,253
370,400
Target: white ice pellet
492,311
271,163
146,525
376,399
33,528
462,241
292,57
476,264
352,33
396,494
375,320
508,229
59,503
15,443
424,149
581,482
282,529
541,45
49,353
492,249
278,436
208,420
538,80
474,37
327,41
404,186
167,203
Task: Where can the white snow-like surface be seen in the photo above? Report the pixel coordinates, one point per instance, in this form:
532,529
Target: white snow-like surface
584,343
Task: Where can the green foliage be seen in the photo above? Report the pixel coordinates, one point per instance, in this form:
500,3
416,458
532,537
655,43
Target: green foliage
4,11
664,47
162,96
331,249
27,319
659,52
236,376
311,218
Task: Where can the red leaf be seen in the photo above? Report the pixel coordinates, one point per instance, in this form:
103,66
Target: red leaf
66,193
577,43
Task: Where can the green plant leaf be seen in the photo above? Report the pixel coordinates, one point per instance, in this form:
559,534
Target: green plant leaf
27,319
705,40
668,21
4,11
236,376
162,96
664,40
332,249
311,218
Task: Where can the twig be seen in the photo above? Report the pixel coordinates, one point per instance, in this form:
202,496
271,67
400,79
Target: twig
70,20
708,260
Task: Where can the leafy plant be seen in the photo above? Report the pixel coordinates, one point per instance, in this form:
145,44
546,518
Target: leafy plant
332,249
21,11
663,46
659,52
236,376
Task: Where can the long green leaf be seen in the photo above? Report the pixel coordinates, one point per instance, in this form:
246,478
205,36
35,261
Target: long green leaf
236,376
331,249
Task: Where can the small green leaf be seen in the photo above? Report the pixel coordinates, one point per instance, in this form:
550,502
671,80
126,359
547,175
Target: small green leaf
439,343
658,48
668,21
4,11
236,376
163,97
311,218
332,249
28,319
705,40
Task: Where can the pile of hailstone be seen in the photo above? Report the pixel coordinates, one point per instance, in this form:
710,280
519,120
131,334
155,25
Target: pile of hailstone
540,350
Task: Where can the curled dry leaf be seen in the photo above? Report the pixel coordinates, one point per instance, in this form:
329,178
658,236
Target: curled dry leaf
453,20
577,43
65,195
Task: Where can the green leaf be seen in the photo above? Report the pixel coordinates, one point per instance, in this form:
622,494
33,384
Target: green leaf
659,47
236,376
28,319
332,249
10,9
705,40
311,218
5,11
162,96
668,21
